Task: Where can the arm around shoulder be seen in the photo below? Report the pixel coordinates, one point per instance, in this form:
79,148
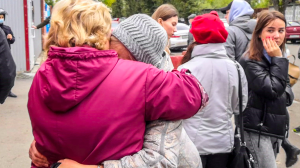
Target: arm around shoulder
171,96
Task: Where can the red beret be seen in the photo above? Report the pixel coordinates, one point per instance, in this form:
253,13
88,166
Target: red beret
208,28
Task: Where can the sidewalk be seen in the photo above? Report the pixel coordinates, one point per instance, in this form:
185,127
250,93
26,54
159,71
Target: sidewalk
26,75
294,138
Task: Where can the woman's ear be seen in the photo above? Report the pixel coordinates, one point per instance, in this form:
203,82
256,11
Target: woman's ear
160,21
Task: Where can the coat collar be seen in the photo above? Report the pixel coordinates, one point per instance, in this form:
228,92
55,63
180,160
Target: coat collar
216,50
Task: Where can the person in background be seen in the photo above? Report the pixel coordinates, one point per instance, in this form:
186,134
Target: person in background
7,68
291,151
240,28
166,144
266,68
100,118
206,58
226,11
167,16
190,36
9,36
42,24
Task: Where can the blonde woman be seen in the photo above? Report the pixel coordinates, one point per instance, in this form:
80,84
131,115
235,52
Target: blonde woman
88,105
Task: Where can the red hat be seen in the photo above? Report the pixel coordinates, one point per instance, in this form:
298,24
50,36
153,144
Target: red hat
208,28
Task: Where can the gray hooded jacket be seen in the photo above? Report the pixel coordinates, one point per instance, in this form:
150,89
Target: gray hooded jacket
166,144
240,29
212,130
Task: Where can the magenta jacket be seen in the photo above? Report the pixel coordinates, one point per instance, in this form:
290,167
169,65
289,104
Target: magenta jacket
90,106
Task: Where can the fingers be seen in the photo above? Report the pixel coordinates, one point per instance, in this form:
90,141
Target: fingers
265,44
37,158
269,44
271,47
60,161
9,36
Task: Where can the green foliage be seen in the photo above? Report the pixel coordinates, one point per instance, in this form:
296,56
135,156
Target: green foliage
107,2
185,8
260,3
51,2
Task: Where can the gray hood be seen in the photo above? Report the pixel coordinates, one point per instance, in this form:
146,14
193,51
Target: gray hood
246,24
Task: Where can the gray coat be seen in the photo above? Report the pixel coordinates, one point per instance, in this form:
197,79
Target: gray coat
211,129
239,35
166,144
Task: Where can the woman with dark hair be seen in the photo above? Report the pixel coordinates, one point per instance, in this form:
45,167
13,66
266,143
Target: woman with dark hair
212,130
266,68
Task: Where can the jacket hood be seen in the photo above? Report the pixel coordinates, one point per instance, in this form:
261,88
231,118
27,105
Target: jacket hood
239,16
239,8
246,24
212,50
69,75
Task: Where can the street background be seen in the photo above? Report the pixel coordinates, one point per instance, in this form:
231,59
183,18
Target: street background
16,135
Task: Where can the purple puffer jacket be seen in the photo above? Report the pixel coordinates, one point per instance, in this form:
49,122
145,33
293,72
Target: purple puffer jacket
90,106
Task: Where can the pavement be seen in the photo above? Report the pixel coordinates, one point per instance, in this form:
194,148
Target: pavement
16,134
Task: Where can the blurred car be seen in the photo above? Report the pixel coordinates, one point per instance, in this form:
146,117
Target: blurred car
293,31
180,38
114,24
122,19
287,51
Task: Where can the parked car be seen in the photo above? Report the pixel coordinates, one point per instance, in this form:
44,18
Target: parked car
114,24
293,31
180,38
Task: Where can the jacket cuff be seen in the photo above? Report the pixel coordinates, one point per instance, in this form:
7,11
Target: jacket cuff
276,60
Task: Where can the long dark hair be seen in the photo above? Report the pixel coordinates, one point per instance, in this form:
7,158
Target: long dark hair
188,55
255,51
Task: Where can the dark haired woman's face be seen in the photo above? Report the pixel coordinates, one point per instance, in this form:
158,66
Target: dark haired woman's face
275,30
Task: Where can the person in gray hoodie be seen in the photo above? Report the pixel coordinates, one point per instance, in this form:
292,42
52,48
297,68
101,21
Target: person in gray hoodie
211,129
240,28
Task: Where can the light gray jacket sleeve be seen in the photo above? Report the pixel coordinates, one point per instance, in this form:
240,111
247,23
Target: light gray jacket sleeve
159,150
230,44
244,91
166,144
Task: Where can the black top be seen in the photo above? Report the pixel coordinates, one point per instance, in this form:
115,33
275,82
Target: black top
269,95
7,30
7,68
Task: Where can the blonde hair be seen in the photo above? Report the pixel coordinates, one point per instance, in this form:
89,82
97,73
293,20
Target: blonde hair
165,12
78,23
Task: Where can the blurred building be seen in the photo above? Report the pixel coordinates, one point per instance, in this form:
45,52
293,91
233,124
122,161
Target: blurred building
22,14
